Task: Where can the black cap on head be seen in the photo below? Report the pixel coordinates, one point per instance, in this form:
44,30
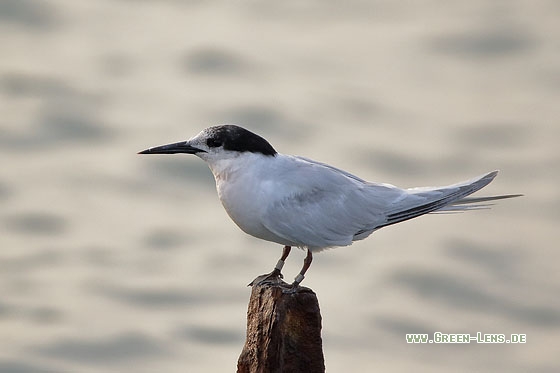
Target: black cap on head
238,139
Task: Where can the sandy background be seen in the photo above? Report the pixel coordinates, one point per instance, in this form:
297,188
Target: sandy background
114,262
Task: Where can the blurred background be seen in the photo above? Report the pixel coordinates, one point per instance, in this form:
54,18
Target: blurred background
115,262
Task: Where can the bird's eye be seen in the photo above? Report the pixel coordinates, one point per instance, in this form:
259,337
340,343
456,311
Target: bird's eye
213,143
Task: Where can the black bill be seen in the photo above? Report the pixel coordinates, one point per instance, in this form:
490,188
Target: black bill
178,147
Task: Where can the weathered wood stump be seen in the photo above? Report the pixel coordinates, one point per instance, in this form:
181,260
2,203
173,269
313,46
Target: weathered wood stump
283,331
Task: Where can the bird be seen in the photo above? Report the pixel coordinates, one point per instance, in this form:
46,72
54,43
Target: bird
298,202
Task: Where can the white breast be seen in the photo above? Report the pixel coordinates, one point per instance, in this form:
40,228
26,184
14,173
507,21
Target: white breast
246,192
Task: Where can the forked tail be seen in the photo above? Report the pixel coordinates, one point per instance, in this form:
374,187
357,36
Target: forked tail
451,198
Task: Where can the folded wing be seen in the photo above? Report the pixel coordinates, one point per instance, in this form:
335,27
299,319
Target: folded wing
334,208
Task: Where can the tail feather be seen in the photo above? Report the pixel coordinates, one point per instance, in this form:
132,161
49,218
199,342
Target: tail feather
469,204
447,199
470,200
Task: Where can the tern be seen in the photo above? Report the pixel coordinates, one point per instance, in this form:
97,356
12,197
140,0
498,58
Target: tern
297,202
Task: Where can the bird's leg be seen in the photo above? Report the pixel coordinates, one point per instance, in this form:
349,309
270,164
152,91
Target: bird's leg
276,273
299,278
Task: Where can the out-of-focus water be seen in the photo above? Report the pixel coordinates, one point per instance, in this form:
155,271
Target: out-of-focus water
110,261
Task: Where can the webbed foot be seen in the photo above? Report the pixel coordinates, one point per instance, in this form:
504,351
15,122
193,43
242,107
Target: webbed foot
273,277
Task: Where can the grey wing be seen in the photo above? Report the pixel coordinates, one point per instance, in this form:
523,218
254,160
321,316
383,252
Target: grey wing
425,200
330,209
342,209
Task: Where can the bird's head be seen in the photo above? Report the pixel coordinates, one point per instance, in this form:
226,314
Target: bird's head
218,143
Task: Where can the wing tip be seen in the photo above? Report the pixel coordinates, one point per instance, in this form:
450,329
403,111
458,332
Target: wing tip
491,175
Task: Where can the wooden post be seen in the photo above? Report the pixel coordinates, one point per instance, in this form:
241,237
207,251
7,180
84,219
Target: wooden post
283,331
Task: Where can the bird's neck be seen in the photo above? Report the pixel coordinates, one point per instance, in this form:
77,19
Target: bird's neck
223,169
